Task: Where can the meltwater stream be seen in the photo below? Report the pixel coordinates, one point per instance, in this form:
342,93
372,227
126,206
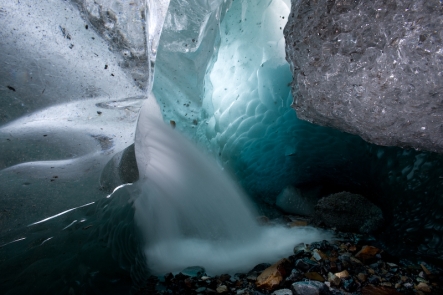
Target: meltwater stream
192,213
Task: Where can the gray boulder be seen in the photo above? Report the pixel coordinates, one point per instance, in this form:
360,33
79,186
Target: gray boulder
298,201
349,212
310,288
371,68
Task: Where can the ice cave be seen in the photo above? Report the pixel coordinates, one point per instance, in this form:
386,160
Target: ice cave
146,139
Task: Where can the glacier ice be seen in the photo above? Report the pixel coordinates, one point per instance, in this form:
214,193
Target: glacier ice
68,122
192,213
241,114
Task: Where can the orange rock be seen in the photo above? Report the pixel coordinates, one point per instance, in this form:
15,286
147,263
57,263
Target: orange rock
352,248
425,269
342,275
367,253
361,277
374,290
271,277
298,223
314,276
423,287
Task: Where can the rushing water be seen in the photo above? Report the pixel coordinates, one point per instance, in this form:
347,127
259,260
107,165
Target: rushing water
192,213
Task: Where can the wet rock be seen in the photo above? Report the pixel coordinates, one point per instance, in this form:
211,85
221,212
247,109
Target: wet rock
349,212
319,255
349,284
224,277
367,254
299,249
361,277
282,292
194,271
314,276
423,287
323,246
260,267
358,278
306,265
375,290
310,288
333,279
425,269
222,289
271,277
342,275
375,280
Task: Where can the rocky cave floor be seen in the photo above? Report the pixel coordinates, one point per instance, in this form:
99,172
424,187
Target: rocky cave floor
351,264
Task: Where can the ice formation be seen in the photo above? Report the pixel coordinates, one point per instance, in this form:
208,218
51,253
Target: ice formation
192,213
71,91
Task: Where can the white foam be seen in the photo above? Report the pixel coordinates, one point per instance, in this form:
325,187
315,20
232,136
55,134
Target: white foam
192,213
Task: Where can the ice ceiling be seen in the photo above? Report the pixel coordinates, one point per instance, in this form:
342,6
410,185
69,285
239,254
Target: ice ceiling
73,78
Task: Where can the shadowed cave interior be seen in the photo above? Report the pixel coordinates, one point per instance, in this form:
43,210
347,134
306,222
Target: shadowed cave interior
72,180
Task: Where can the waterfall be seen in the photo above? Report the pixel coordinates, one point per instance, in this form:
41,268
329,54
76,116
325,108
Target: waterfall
192,213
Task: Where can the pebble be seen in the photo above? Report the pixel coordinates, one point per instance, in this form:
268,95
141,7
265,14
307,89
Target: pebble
306,264
315,276
222,289
201,289
423,287
336,270
316,255
271,277
343,274
425,269
367,253
361,277
333,279
282,292
309,288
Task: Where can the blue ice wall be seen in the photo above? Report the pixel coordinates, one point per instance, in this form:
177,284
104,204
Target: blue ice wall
241,114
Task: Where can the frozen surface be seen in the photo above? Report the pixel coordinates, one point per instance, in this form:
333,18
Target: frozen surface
88,249
372,68
68,110
132,30
244,119
48,57
192,213
190,38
